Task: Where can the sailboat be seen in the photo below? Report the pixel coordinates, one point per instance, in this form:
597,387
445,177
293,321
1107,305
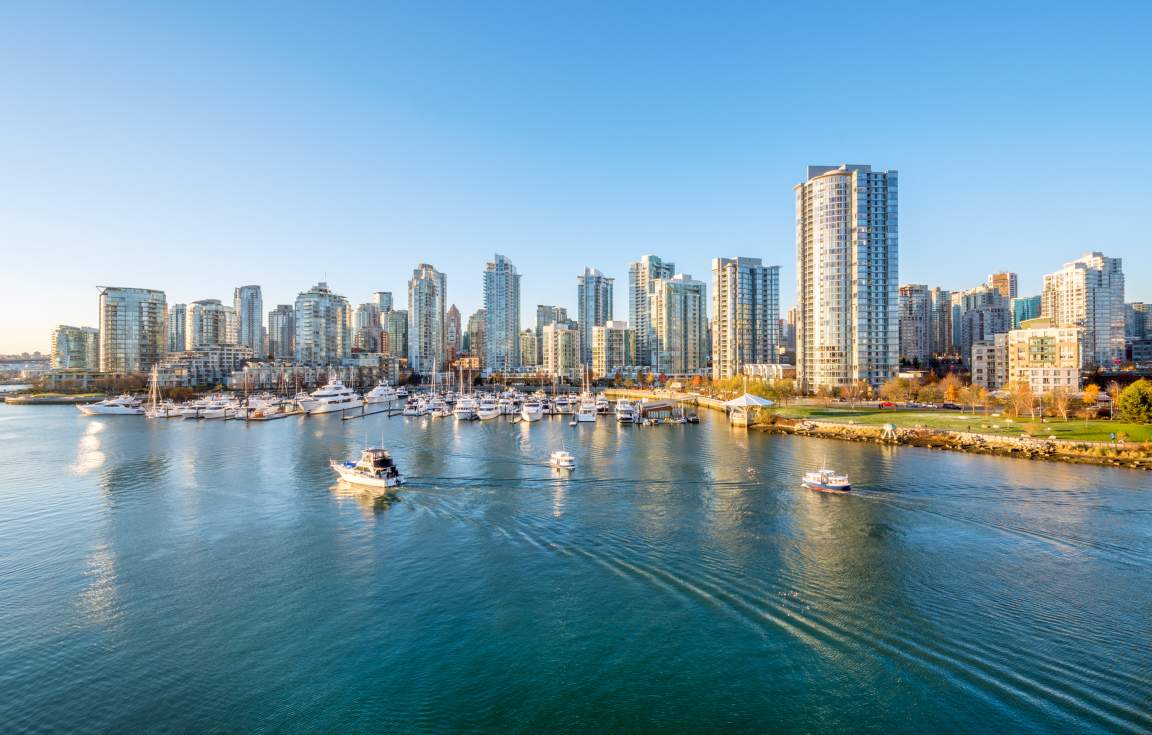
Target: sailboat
157,409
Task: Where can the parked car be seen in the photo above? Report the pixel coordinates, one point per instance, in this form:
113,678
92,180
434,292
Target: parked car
950,406
887,404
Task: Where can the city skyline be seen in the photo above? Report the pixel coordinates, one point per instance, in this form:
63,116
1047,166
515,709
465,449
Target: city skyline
277,159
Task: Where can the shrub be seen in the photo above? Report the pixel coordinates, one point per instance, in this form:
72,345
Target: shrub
1135,402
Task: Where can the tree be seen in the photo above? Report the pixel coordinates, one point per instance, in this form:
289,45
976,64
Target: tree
1135,402
896,390
1114,394
978,396
857,390
784,389
1019,397
1060,401
950,386
1091,396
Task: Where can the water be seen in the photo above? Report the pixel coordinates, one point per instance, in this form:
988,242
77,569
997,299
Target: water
162,576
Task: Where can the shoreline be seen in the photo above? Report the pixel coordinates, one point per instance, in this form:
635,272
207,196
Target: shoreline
1101,454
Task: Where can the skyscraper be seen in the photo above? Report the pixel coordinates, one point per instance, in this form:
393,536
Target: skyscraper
427,302
177,334
133,329
323,327
366,330
940,307
847,277
979,314
678,319
593,307
383,300
209,323
1004,282
453,332
75,347
502,314
1024,308
529,348
641,275
395,324
561,350
1089,293
282,332
547,314
613,348
915,324
745,314
249,306
477,343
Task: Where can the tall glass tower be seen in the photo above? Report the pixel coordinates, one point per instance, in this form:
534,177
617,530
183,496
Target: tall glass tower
502,315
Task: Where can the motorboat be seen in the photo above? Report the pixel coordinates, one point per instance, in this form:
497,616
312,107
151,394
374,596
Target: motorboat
382,393
121,405
401,392
335,396
586,410
465,409
508,404
826,481
625,411
374,471
603,407
562,405
562,460
415,407
532,410
164,410
438,408
488,408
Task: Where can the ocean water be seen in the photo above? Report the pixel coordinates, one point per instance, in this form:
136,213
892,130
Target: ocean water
205,576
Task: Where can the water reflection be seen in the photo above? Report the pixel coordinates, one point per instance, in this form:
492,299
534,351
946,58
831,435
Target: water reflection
88,454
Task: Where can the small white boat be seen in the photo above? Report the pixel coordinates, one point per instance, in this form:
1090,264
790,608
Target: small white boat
625,411
562,405
488,409
415,407
826,481
586,411
562,460
382,393
375,471
602,405
532,410
121,405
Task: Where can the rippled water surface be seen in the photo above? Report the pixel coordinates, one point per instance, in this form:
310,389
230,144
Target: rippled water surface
199,576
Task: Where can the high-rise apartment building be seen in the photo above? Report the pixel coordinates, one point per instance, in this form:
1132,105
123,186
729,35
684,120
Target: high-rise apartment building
1045,357
978,314
177,332
453,332
561,351
1089,293
75,347
847,260
367,334
383,300
323,327
940,318
209,323
133,329
641,275
529,348
593,306
427,302
678,319
395,340
249,306
745,314
915,324
1023,308
502,314
1005,283
1137,321
282,332
477,344
613,348
547,314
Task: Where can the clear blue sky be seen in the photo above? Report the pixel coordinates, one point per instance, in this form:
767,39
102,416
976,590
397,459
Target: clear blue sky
193,147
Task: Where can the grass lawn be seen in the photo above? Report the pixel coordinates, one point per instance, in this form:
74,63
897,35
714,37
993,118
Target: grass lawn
1099,430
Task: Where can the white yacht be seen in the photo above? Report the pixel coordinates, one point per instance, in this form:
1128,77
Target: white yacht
466,408
507,404
562,405
488,408
335,396
219,408
586,409
625,411
382,393
121,405
562,460
375,471
603,407
826,481
531,410
438,408
415,407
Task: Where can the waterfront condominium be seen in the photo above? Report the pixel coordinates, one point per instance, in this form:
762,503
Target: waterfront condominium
282,332
249,305
745,314
613,348
209,323
427,302
641,276
1089,293
453,333
1005,283
176,332
678,315
561,351
366,331
395,339
133,329
383,300
593,306
940,316
915,324
476,342
978,314
847,277
323,333
502,315
529,348
1024,308
75,347
547,314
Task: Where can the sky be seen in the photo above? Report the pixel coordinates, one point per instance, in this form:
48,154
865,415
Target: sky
195,147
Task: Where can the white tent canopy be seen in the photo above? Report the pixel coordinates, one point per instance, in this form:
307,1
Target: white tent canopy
749,401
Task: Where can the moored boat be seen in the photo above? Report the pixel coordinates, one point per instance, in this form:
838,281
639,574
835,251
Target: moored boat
121,405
